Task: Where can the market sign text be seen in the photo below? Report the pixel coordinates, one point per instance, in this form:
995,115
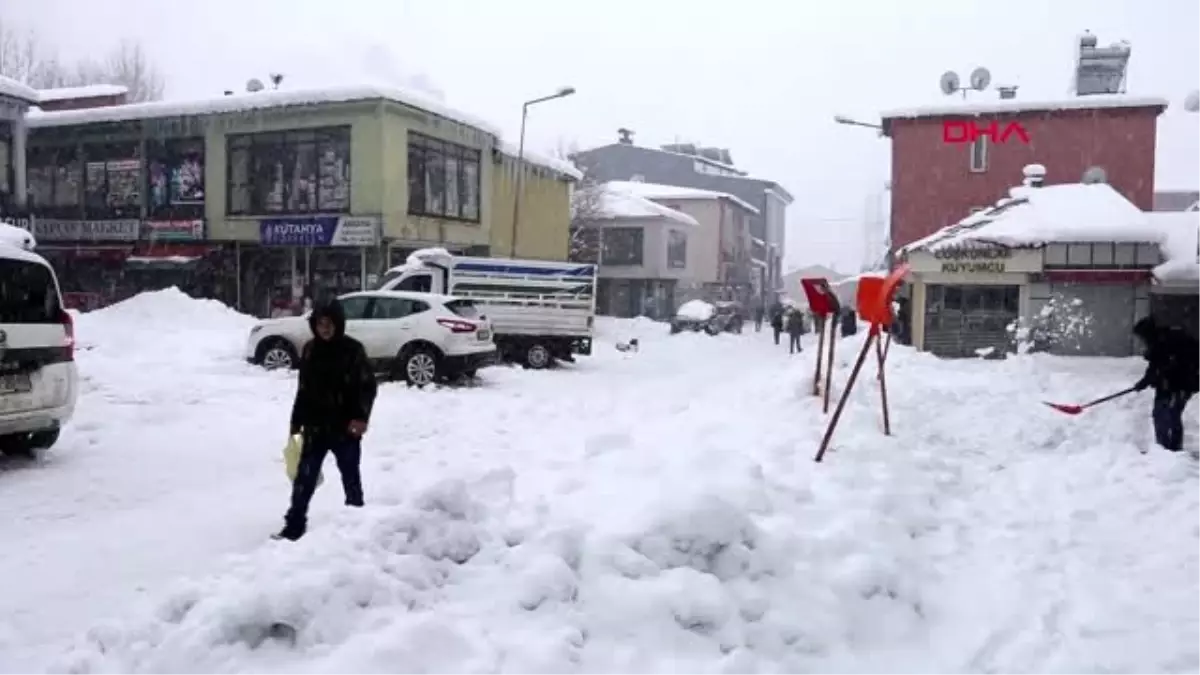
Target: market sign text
973,260
969,131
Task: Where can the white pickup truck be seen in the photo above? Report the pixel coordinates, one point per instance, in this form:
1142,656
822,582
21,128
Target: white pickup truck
539,310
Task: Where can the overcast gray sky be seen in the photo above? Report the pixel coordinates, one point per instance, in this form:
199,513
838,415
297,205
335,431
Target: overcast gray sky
761,77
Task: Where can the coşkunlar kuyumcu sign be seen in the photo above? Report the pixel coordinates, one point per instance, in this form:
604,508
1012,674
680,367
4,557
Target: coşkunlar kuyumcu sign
973,260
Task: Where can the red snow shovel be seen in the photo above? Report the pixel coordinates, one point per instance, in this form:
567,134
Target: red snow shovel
1076,409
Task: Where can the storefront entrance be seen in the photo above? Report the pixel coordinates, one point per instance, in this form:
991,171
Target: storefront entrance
970,320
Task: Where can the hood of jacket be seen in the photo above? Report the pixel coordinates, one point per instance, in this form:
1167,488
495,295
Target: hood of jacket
336,314
1146,329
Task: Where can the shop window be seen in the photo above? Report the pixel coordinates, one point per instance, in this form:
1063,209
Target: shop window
55,178
175,179
355,307
112,180
677,249
622,246
289,172
443,179
952,298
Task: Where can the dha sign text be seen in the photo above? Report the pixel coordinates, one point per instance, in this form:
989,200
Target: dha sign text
969,131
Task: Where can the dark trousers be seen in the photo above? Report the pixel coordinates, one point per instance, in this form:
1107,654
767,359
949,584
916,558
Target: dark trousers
348,454
1168,418
778,331
794,344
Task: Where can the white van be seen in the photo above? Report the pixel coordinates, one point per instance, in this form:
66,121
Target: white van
39,382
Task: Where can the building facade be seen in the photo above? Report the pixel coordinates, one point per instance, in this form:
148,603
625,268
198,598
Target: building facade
1109,137
15,100
274,199
646,253
687,166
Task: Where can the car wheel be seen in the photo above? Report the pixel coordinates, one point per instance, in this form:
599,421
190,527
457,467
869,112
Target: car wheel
537,356
28,445
420,367
277,353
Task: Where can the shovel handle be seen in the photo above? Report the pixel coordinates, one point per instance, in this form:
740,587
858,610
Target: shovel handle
1110,397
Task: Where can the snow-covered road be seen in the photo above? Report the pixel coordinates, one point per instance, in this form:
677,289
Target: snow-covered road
657,511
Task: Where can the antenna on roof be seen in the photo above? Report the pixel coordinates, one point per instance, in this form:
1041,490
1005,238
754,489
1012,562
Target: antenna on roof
276,79
950,84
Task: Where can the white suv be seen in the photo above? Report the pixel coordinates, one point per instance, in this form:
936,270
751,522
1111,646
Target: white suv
418,337
38,379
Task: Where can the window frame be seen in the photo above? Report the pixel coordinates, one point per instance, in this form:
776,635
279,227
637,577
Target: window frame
634,261
677,238
57,168
424,152
278,152
977,154
170,153
105,154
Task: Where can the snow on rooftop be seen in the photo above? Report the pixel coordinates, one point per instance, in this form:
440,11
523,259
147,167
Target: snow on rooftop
1180,246
560,166
13,89
248,101
89,91
1034,216
616,203
660,191
984,107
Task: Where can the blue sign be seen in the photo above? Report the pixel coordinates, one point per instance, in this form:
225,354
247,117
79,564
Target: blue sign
310,231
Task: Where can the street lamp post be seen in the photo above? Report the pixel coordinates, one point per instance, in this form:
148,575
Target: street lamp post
561,93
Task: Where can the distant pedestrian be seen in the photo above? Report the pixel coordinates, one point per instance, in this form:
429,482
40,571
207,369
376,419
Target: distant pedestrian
333,403
777,319
759,314
795,328
849,322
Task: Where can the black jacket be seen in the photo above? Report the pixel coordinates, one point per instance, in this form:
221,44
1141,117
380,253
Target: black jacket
1173,364
337,384
795,323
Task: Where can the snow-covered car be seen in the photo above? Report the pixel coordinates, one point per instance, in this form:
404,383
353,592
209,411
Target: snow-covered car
39,382
418,337
692,315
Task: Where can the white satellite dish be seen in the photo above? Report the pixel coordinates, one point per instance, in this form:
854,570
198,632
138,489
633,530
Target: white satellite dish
1094,174
254,84
949,82
980,78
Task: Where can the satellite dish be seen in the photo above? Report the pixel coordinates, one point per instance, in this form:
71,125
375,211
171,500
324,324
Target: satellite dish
1192,102
1093,175
980,78
949,82
254,84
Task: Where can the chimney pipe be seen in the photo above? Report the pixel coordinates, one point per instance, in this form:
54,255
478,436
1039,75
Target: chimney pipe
625,136
1007,92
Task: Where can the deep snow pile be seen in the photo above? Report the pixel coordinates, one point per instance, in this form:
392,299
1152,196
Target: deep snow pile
660,511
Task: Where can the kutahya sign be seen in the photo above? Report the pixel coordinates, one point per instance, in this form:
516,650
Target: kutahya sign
320,231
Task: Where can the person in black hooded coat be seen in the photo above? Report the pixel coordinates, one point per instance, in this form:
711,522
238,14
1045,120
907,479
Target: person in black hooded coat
332,408
1173,372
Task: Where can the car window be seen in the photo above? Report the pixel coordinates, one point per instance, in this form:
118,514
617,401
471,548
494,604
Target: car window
355,307
397,308
419,283
464,308
27,293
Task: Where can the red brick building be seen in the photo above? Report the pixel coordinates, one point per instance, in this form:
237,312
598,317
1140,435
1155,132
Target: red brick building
936,182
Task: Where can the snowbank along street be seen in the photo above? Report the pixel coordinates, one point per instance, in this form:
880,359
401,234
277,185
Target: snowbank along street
648,511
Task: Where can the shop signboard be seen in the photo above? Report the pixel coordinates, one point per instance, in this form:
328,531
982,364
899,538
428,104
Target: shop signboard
977,260
320,231
53,229
173,230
